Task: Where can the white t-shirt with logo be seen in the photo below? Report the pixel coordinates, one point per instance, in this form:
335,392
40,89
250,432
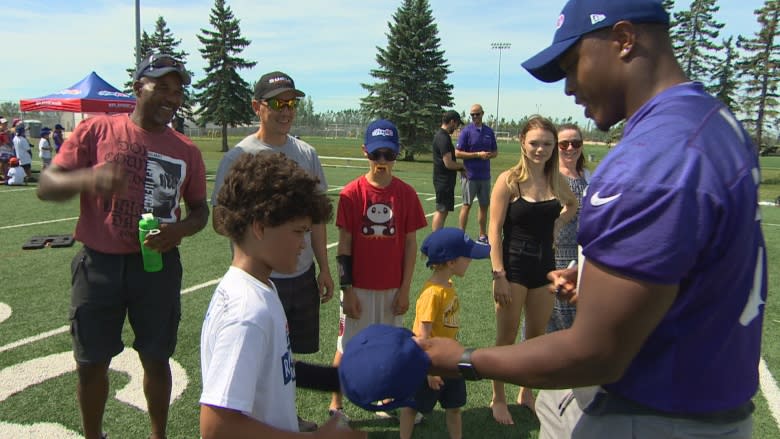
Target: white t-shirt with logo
246,360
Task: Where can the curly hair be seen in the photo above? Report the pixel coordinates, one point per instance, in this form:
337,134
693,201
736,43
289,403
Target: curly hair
269,188
519,172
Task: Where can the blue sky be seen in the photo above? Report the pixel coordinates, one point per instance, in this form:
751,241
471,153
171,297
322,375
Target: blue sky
328,47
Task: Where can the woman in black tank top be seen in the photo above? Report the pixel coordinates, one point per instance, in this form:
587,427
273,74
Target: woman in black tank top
529,204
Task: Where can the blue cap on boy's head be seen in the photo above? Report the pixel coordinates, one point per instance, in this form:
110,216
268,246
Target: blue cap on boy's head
580,17
381,134
383,362
45,131
449,243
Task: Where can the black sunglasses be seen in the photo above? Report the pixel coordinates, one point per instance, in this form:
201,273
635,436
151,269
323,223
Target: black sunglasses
476,114
386,154
564,144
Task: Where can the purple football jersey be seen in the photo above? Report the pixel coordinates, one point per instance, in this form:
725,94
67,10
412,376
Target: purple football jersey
676,203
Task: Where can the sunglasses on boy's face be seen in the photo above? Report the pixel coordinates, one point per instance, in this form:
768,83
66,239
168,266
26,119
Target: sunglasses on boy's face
564,144
279,104
386,154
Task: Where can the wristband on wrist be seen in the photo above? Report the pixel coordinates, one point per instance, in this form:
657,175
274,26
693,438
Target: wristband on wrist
498,274
344,263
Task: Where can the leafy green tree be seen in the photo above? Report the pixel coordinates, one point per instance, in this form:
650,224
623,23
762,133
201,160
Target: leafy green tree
694,34
162,41
412,74
760,66
9,110
726,83
224,97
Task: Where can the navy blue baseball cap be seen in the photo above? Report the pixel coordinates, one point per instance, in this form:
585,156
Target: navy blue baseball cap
382,134
449,243
580,17
157,65
383,362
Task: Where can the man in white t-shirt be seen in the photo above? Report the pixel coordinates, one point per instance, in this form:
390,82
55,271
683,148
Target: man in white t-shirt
23,150
275,101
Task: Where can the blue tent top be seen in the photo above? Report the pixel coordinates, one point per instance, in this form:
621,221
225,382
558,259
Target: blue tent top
90,95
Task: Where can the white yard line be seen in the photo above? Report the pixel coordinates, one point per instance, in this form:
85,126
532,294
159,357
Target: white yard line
770,390
14,226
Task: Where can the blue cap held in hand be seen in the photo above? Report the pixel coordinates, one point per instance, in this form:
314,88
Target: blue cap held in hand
381,363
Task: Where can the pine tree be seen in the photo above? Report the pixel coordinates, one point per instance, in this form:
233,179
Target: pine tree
760,66
726,82
224,97
694,34
163,42
669,6
412,74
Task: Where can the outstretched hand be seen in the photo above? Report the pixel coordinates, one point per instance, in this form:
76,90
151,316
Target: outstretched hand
444,353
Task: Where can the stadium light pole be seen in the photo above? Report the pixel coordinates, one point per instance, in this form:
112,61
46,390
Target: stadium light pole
137,32
500,47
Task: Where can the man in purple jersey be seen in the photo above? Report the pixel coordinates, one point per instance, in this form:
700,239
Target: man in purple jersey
476,147
672,276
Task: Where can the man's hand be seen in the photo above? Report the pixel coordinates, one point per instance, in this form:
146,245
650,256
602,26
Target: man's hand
170,236
444,353
107,179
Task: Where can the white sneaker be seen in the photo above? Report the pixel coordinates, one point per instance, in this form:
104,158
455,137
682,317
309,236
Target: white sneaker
418,418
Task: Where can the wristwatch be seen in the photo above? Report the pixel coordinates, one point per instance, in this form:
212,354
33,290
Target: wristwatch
466,369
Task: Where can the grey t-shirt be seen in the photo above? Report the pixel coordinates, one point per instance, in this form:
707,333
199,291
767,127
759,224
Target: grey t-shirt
299,151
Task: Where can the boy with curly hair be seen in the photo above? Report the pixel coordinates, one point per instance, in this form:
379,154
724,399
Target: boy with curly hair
266,206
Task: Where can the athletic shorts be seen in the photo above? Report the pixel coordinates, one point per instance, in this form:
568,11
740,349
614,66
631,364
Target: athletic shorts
300,298
106,287
560,415
527,263
451,395
472,189
376,307
445,195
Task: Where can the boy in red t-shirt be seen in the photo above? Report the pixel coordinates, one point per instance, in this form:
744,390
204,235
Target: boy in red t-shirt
378,217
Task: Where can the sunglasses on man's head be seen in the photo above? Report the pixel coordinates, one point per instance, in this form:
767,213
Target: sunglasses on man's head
386,154
279,104
163,61
564,144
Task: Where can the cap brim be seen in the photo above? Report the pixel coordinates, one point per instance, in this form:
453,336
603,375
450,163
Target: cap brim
162,71
278,91
479,251
379,144
544,65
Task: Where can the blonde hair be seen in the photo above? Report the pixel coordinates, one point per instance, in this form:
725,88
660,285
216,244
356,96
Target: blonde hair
519,173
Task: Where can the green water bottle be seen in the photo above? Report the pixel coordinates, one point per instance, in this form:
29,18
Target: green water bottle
148,225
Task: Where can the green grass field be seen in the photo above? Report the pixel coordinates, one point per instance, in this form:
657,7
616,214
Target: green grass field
37,378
